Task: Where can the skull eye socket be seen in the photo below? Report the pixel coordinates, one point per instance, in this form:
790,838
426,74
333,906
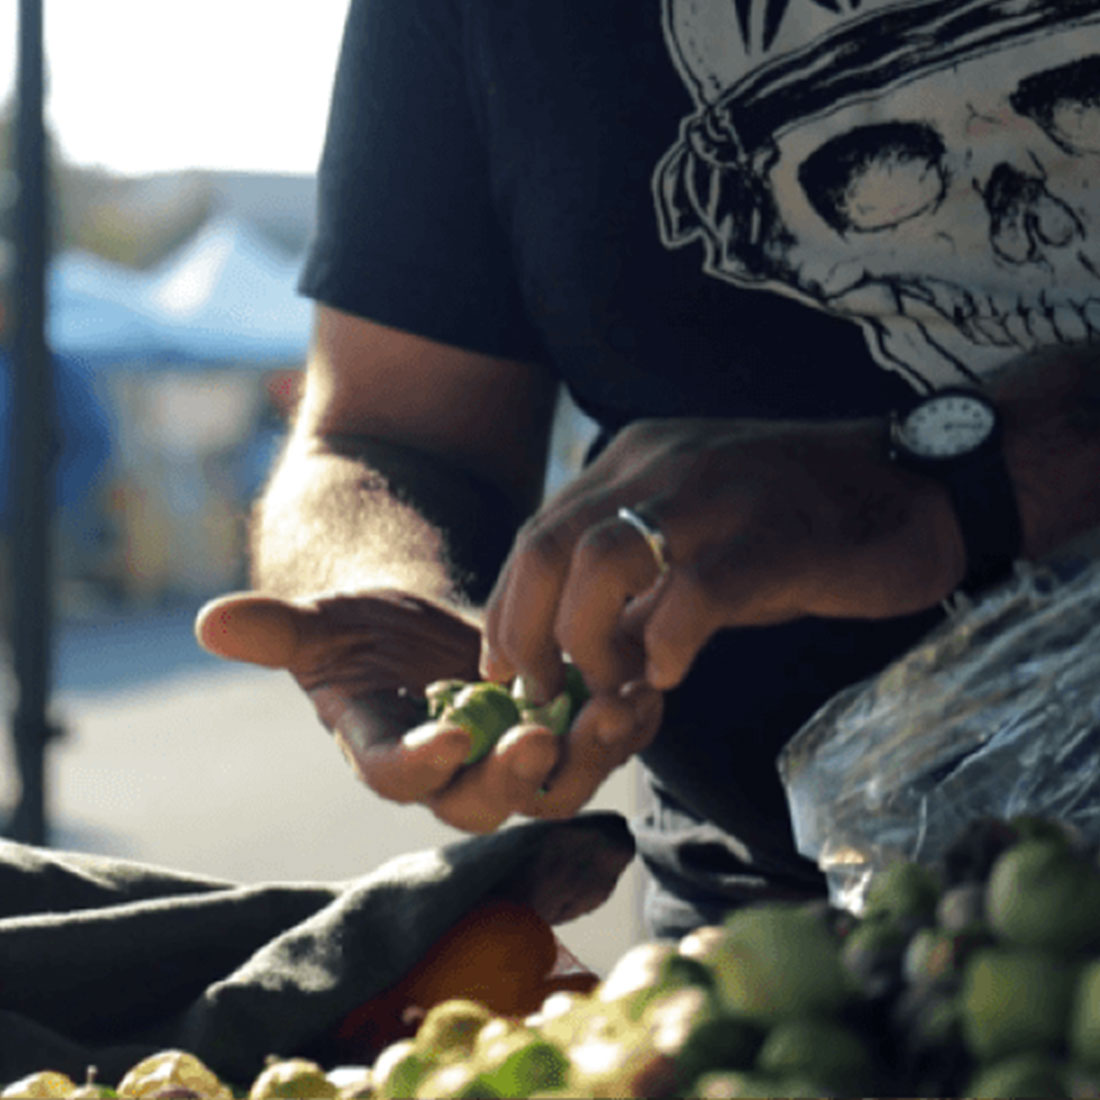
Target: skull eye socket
1065,102
875,177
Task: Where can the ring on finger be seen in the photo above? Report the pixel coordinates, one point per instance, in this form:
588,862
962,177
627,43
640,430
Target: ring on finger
653,535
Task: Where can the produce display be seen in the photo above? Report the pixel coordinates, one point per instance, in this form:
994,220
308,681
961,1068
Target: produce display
980,977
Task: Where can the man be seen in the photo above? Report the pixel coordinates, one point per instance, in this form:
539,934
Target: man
744,234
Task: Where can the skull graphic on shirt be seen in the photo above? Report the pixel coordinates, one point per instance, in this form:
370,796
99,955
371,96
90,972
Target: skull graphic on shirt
931,170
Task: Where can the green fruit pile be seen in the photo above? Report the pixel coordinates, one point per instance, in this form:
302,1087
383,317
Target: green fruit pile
979,978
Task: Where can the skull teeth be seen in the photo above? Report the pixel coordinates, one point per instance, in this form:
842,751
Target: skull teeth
983,323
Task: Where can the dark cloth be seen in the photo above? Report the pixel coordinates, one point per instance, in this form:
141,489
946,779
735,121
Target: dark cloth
104,961
487,182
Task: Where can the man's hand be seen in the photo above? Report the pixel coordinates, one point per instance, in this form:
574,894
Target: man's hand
764,523
365,659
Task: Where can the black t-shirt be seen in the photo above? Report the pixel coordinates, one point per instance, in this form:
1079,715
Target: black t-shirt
701,208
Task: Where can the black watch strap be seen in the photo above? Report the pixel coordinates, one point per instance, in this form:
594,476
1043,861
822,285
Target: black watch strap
989,519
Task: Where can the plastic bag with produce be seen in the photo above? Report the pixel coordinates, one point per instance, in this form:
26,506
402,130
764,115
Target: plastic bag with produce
995,714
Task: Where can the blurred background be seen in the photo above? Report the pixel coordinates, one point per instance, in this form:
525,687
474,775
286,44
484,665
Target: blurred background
182,142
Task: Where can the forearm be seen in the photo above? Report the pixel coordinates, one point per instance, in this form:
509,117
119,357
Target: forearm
346,514
1051,406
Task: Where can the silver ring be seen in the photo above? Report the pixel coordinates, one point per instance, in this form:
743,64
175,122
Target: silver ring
653,535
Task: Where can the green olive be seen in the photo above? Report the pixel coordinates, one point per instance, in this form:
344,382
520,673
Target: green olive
486,711
559,713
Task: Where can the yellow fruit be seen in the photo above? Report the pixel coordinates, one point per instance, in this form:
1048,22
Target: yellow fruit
45,1083
293,1079
352,1082
172,1069
450,1028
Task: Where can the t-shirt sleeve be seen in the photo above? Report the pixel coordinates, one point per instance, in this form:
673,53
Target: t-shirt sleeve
406,229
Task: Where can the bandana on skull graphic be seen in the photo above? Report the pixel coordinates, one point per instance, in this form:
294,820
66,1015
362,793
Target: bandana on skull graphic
930,170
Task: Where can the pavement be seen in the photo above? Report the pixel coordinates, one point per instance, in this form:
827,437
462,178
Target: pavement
175,758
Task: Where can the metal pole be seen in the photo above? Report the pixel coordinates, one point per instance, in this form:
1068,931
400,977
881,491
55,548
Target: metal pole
32,440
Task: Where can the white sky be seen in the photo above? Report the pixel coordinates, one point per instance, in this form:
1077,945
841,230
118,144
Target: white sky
139,86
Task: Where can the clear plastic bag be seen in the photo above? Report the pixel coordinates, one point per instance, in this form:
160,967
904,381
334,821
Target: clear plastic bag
996,713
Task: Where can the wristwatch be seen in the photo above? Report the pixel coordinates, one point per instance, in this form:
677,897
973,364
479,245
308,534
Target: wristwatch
954,435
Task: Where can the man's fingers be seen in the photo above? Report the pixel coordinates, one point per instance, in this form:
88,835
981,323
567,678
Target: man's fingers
612,565
519,622
412,769
733,585
482,798
607,733
245,626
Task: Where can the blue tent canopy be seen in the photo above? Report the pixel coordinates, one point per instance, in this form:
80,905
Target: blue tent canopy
226,297
96,312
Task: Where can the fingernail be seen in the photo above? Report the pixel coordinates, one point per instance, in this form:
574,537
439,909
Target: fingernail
487,664
531,691
451,749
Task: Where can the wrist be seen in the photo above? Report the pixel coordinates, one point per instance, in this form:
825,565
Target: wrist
953,437
1051,411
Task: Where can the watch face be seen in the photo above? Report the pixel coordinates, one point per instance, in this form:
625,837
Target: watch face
947,426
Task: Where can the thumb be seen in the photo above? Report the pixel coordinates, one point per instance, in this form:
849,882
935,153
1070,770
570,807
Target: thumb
246,626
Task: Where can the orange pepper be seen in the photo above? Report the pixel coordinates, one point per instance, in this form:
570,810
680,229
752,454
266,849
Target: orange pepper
501,953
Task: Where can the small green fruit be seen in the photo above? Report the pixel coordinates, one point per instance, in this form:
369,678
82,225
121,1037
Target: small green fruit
872,955
687,1026
524,1065
1084,1034
1028,1074
777,961
904,891
821,1049
399,1069
1015,999
935,956
558,714
486,711
647,971
962,908
731,1085
1043,894
455,1081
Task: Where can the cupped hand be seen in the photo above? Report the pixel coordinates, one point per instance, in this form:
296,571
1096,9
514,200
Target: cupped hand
365,658
763,522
